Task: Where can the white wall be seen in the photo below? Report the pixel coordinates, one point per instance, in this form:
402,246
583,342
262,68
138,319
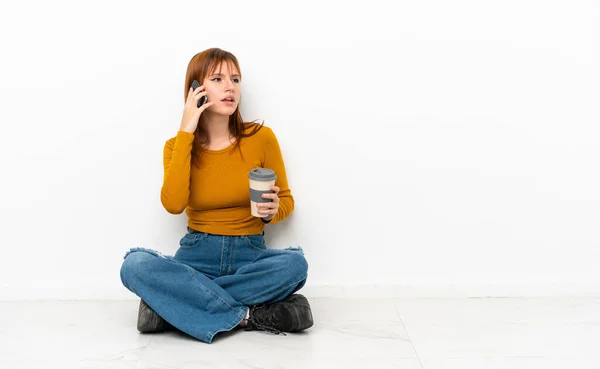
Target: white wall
433,147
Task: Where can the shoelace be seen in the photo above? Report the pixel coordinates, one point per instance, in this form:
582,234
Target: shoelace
264,324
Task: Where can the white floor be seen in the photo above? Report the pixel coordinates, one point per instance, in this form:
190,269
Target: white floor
362,333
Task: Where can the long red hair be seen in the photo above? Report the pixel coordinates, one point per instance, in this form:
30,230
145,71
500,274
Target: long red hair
204,64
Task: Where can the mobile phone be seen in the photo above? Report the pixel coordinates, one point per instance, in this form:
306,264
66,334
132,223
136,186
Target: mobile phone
203,99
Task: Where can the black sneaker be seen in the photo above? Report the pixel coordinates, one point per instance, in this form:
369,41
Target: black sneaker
150,321
292,314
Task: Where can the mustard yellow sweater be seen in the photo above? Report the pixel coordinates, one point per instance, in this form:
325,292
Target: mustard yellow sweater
216,195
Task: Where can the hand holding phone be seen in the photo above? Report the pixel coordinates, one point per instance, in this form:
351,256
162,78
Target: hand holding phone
204,98
195,104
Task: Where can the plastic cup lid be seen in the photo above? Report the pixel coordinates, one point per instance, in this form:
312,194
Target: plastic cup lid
262,174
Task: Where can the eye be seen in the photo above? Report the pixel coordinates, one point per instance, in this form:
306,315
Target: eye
236,80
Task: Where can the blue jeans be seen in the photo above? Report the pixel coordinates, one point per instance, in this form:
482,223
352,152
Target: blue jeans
212,280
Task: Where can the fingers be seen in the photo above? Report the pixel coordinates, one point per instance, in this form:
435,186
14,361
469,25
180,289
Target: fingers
272,196
198,95
195,95
205,106
267,205
269,208
198,89
192,93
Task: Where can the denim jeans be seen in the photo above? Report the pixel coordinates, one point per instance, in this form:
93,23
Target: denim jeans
212,280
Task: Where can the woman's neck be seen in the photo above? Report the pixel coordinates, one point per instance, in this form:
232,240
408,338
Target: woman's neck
217,127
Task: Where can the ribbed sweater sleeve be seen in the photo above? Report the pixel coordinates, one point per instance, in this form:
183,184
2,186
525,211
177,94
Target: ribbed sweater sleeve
273,159
175,191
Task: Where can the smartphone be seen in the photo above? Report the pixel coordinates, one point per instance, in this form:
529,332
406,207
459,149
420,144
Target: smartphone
203,99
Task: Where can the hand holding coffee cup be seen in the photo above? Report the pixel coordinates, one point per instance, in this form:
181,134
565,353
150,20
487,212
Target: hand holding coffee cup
264,202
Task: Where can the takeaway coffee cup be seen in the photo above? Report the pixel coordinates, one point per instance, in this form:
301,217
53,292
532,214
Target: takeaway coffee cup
261,180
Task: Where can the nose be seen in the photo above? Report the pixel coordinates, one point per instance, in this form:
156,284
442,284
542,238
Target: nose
229,86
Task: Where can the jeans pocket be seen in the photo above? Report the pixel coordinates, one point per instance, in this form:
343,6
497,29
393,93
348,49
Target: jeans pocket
191,240
257,242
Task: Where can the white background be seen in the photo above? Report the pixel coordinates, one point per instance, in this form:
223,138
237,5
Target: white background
433,147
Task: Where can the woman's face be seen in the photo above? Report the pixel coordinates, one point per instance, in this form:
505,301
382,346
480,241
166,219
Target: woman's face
222,84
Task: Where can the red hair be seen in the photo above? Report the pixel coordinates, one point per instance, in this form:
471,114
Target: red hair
204,64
